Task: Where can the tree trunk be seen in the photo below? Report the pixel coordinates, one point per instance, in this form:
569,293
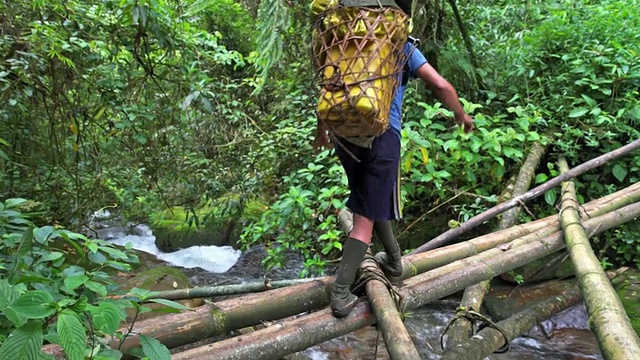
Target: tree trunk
491,213
219,318
465,35
473,296
616,336
296,335
472,299
395,335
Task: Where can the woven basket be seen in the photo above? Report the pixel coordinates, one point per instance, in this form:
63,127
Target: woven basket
358,55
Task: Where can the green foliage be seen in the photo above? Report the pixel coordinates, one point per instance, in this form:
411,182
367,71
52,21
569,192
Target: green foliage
132,103
304,218
624,245
54,288
439,160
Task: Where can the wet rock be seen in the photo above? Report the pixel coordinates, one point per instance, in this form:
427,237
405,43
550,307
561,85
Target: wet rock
249,268
504,300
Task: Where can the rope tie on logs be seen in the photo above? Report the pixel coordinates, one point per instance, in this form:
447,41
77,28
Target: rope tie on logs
575,206
371,273
483,321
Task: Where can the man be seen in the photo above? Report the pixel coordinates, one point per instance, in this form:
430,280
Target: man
374,185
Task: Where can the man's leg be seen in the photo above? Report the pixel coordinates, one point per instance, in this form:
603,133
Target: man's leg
342,300
391,259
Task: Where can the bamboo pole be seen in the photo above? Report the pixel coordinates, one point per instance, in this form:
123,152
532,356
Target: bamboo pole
473,296
461,328
219,290
489,339
537,191
616,337
309,330
214,319
396,338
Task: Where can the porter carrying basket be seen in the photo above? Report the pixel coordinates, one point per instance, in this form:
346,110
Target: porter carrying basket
359,59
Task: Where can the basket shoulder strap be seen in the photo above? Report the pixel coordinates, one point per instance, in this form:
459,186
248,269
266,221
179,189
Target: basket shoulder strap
367,3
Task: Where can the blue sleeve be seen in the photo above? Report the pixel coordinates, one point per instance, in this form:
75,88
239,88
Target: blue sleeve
416,58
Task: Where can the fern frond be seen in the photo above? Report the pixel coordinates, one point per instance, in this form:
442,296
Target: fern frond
274,19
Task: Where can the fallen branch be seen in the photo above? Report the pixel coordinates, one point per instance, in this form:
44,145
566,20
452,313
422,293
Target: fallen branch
615,334
540,190
499,260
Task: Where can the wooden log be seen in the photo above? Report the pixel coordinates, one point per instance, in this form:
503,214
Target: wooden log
396,338
489,339
473,296
532,194
292,336
616,336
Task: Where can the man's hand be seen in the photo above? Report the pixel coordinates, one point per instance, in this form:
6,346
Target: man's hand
466,121
321,140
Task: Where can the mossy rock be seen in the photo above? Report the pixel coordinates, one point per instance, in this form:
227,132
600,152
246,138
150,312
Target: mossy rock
627,286
173,230
219,223
159,278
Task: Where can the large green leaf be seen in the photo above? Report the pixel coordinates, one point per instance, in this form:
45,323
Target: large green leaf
620,172
106,318
72,335
97,287
34,305
75,281
24,343
170,303
42,234
7,294
154,349
26,243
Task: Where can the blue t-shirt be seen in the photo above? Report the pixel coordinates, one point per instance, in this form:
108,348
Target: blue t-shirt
414,61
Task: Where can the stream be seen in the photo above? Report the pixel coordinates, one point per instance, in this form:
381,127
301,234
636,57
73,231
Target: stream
566,336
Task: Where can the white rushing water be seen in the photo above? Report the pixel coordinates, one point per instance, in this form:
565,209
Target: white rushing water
215,259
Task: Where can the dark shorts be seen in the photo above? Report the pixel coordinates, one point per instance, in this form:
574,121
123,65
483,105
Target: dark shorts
373,180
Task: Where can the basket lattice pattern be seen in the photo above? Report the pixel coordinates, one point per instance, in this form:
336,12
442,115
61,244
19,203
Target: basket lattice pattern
359,58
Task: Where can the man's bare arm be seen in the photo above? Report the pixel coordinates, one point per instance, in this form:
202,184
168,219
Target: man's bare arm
446,93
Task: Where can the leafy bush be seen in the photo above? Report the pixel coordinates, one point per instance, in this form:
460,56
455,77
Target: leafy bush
54,288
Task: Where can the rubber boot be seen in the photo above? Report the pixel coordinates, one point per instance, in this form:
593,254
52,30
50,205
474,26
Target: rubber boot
389,260
342,300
